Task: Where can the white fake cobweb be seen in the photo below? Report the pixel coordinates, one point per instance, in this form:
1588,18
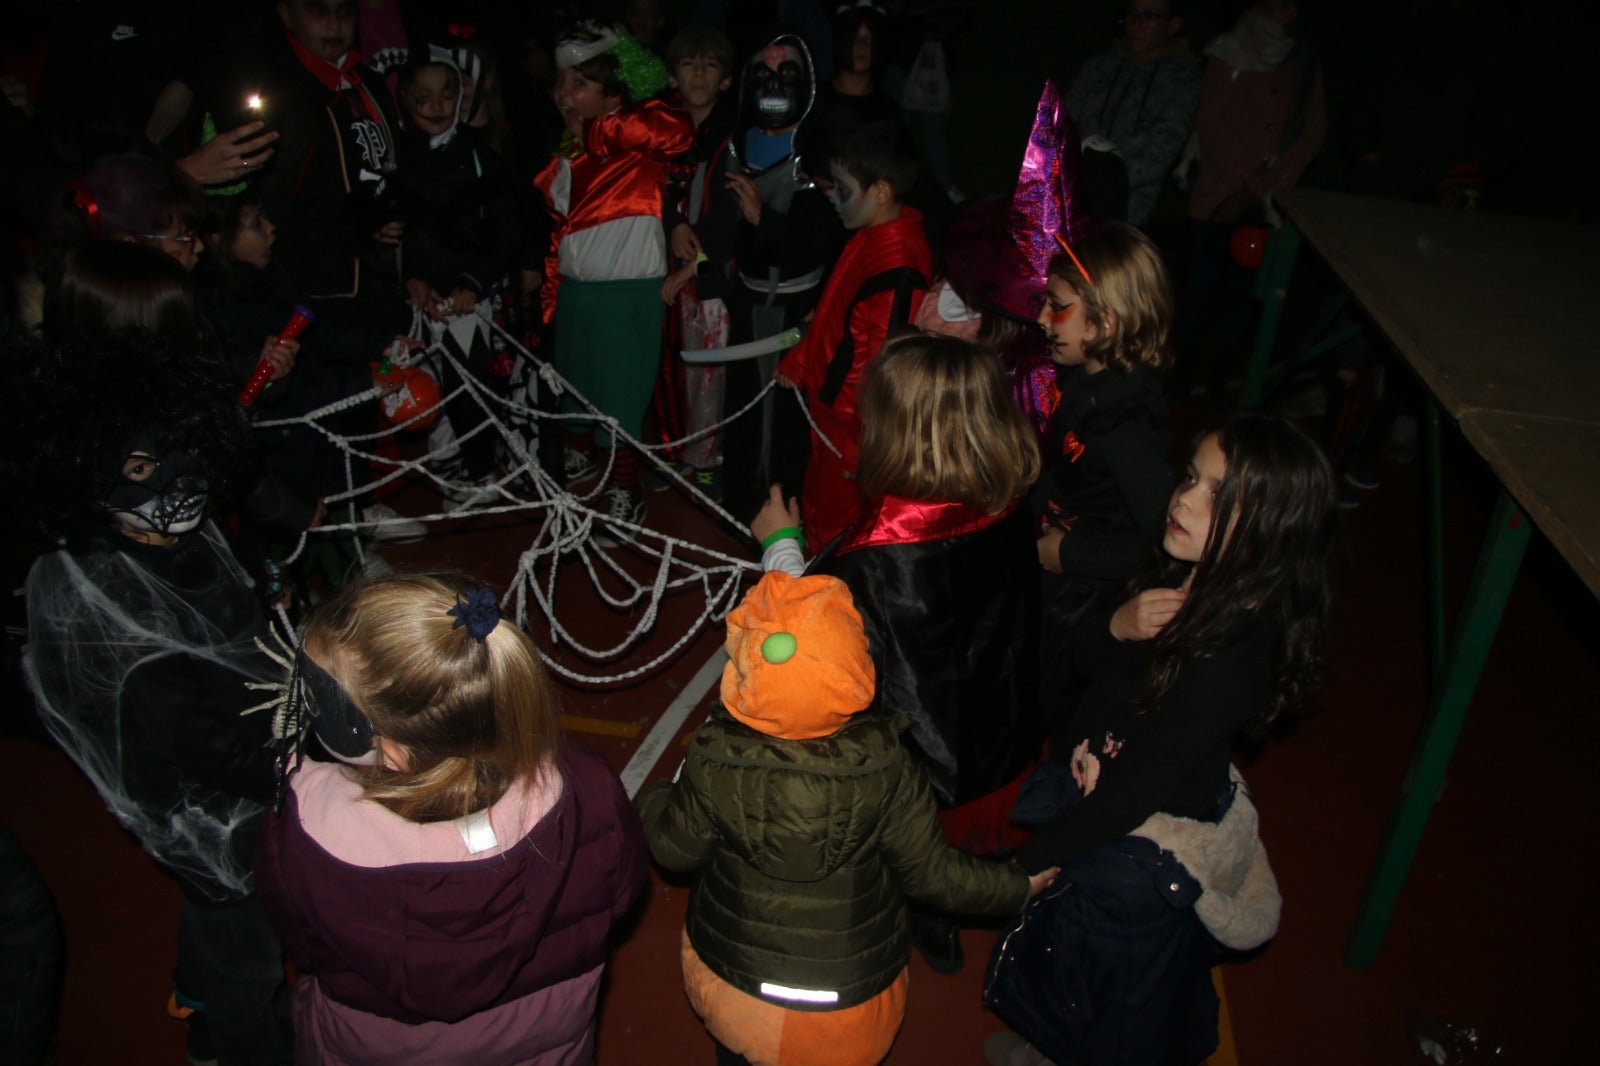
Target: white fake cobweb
562,524
95,622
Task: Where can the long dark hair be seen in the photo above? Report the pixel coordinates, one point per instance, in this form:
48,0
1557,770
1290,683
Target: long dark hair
1272,529
110,285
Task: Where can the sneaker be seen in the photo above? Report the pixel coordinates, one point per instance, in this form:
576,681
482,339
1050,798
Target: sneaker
468,495
1307,403
1348,500
653,478
709,482
1404,434
619,505
1006,1048
1364,480
390,525
376,567
198,1047
576,465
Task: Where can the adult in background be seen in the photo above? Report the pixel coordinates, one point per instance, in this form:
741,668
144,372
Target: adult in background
1134,105
749,24
327,189
1262,118
854,96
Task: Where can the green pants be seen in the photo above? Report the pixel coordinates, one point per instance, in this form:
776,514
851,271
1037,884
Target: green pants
608,345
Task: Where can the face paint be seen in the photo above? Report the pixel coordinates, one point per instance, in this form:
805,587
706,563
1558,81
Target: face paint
165,496
335,719
849,199
776,80
1067,331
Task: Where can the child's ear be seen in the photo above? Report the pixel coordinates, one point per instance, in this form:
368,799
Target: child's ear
395,755
881,192
725,84
1108,324
672,82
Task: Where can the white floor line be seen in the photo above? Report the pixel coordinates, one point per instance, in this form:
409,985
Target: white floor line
666,727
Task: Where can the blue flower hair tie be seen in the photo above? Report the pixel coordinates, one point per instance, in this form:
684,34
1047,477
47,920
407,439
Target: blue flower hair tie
480,613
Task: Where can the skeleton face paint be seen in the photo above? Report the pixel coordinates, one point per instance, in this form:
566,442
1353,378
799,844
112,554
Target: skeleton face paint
776,80
850,200
165,496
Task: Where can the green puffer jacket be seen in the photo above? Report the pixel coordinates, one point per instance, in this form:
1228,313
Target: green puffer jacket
805,853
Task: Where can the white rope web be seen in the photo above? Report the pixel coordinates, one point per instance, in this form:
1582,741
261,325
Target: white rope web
564,524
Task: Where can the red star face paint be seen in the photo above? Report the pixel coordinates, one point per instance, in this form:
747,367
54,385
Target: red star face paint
1067,327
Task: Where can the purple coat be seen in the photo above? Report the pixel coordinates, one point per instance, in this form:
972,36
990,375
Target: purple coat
443,956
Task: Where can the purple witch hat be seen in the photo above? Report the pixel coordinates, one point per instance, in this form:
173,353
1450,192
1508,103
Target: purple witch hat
998,251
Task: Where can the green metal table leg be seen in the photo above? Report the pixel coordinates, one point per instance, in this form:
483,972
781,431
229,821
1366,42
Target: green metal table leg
1435,539
1280,373
1272,285
1447,708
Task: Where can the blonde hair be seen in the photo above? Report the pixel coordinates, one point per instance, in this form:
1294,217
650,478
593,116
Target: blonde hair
472,716
1132,284
938,423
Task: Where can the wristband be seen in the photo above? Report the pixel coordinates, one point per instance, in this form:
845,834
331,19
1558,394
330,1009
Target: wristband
786,533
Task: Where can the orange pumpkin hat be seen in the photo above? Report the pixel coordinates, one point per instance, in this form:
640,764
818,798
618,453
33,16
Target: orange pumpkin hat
798,666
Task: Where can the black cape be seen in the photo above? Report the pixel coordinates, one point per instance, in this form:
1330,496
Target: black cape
950,599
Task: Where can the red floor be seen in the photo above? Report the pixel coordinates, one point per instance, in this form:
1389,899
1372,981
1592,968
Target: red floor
1494,928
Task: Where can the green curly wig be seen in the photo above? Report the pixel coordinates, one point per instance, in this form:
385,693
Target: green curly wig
640,69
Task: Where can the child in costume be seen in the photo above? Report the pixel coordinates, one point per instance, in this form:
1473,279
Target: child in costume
143,635
997,254
786,237
243,296
128,197
806,824
610,251
941,566
463,237
700,228
876,287
1101,503
446,891
1224,634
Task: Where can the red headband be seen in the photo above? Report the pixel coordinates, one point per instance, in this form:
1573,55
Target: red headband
84,199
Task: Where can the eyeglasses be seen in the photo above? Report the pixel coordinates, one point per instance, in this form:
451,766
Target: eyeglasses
1135,18
188,240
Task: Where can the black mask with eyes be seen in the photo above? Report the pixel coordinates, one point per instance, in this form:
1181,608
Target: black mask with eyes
335,718
171,499
777,87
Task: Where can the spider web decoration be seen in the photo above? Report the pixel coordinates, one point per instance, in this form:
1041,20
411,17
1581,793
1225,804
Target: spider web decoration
565,522
99,625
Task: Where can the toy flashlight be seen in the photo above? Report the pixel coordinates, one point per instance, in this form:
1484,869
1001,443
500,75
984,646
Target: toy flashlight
262,374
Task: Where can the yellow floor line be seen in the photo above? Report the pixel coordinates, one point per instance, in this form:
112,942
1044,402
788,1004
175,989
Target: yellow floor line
579,724
1226,1054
